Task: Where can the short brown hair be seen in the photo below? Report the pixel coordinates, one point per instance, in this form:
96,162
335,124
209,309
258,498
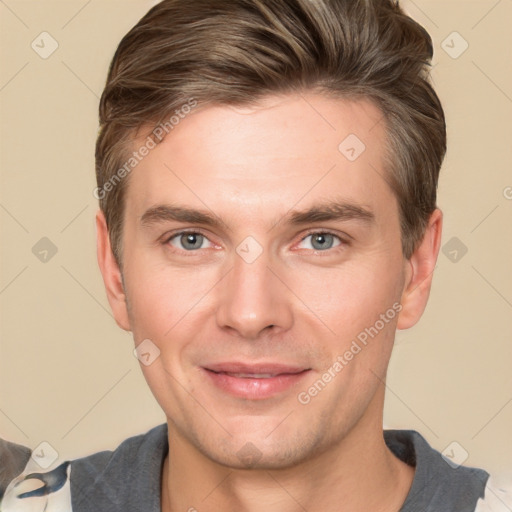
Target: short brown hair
234,52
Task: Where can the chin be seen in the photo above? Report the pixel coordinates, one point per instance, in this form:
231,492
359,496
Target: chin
259,451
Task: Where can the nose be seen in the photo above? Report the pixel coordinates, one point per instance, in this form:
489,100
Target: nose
254,300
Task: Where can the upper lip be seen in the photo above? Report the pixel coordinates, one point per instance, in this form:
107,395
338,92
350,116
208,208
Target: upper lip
255,368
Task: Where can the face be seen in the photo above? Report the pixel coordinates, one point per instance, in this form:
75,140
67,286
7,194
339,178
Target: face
265,264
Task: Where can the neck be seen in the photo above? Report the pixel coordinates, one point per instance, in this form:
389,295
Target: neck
357,474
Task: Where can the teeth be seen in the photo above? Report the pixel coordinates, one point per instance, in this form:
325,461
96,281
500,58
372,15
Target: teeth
251,375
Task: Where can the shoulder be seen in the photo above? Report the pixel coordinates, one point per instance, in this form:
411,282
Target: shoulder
120,477
440,482
132,451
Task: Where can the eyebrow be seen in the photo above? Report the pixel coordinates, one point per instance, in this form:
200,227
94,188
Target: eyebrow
323,212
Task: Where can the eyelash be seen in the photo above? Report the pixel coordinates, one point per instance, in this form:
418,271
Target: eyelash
343,241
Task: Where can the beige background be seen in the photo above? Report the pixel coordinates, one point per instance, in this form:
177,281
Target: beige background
67,372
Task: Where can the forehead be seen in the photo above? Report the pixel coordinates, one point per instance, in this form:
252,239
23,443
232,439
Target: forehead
288,149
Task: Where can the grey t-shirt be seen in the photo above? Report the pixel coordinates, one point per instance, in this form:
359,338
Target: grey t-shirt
128,478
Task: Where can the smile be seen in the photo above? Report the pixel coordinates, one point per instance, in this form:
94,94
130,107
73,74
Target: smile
254,384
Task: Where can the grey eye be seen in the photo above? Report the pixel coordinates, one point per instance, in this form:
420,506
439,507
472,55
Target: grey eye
321,241
188,241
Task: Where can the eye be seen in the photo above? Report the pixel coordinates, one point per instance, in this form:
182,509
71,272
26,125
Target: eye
188,241
321,241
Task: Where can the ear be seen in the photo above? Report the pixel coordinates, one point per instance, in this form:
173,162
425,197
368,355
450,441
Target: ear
111,274
419,273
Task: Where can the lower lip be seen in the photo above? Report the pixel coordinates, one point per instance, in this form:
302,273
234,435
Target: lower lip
255,389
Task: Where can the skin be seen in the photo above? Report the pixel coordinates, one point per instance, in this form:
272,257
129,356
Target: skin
299,302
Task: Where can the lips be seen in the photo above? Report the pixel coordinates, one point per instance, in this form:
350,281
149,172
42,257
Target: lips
255,381
250,375
258,370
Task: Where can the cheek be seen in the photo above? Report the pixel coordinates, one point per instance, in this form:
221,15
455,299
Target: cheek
151,306
352,296
164,300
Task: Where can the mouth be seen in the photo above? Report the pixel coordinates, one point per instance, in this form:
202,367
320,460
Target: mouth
254,381
251,375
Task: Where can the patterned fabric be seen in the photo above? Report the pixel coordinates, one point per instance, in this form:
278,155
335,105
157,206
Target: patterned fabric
39,491
498,496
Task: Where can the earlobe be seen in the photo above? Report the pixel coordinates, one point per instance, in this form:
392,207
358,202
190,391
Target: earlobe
111,274
419,274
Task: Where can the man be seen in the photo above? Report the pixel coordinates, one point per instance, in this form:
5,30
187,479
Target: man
267,175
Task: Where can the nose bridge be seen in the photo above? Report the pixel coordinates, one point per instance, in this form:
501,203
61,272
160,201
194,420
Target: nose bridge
253,297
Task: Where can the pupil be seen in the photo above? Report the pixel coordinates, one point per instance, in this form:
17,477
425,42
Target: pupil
192,241
321,240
